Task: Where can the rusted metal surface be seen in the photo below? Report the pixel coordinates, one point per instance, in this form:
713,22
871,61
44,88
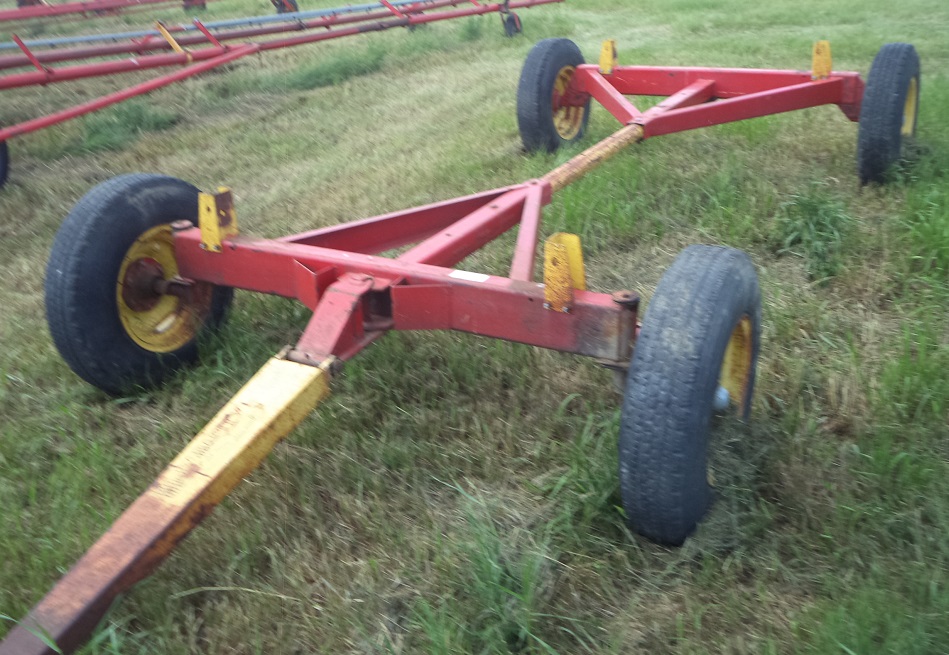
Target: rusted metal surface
265,410
592,157
138,286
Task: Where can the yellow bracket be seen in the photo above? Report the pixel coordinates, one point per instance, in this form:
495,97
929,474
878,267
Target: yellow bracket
608,56
821,61
171,40
563,271
217,218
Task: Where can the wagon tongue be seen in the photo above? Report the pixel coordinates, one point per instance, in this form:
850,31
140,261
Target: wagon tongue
233,444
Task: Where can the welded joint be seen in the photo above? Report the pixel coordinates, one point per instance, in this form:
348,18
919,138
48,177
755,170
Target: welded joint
330,363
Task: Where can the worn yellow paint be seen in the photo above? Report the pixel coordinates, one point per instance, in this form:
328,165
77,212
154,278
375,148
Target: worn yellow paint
736,365
609,57
568,119
822,64
233,444
563,270
217,218
573,170
909,108
574,249
170,322
264,411
170,39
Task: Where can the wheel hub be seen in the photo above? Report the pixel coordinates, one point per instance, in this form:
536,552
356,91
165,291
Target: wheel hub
737,363
568,116
159,311
909,109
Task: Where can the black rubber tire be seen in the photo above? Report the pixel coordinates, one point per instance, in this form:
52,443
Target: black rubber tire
670,389
81,277
879,135
535,115
512,24
281,6
4,163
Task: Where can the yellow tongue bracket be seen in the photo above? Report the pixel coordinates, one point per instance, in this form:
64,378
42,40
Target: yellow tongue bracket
822,64
217,218
563,271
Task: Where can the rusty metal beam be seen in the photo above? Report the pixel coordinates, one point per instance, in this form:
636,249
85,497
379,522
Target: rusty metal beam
233,444
592,157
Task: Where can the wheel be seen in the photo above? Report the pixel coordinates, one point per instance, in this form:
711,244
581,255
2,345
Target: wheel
286,6
888,111
512,24
546,115
106,316
4,163
699,339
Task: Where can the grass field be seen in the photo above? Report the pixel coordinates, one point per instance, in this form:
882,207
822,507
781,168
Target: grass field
460,495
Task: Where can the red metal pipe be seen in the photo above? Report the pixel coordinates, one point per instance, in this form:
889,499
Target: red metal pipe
482,226
130,65
210,54
432,298
125,94
394,230
154,43
69,73
666,80
590,80
525,250
752,105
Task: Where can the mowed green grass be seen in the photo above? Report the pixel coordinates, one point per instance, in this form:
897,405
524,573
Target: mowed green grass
460,495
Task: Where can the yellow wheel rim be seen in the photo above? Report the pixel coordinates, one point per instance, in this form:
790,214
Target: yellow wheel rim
158,323
736,366
909,109
568,120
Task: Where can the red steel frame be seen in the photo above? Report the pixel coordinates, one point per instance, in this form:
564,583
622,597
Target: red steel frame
214,54
358,295
419,289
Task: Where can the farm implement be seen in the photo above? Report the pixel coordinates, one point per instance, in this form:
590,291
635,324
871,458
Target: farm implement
37,9
144,263
167,47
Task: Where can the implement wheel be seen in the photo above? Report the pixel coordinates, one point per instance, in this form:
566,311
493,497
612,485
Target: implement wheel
888,111
699,339
512,24
547,115
111,313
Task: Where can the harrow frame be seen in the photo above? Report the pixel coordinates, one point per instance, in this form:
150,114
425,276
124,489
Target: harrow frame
167,47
